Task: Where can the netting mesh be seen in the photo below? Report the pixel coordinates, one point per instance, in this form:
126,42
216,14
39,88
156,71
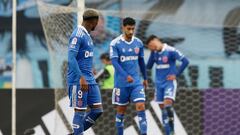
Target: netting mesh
209,37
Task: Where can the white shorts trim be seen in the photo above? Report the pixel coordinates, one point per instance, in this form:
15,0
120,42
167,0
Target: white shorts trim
137,99
121,104
97,103
169,97
159,102
81,108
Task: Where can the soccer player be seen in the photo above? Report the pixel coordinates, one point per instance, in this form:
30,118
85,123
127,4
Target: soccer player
82,88
126,53
165,58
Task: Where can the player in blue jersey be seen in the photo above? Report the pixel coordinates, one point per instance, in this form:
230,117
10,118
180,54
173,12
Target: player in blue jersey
165,57
82,88
126,53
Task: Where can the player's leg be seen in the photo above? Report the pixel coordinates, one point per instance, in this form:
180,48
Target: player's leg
168,111
120,99
78,100
159,98
95,103
138,97
121,109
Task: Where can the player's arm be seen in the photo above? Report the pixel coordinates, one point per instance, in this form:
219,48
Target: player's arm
142,66
114,58
150,61
141,63
180,57
73,48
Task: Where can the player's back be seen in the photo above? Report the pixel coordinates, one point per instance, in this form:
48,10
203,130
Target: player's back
81,42
127,54
165,62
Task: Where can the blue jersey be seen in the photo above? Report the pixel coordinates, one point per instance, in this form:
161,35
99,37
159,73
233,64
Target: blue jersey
128,54
165,62
80,57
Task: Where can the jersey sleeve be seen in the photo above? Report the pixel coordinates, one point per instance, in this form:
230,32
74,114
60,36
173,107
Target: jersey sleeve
177,55
141,53
113,50
74,44
75,40
73,48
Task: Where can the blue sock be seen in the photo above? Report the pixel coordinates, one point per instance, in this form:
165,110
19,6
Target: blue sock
77,123
165,121
91,117
142,122
119,123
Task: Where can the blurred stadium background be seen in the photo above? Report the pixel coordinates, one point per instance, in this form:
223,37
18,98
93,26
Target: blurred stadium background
206,31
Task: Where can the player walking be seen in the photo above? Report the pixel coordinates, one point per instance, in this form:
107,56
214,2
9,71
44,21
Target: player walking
82,88
126,52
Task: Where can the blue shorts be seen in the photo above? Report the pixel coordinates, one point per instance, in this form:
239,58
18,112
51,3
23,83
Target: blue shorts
80,99
123,95
165,90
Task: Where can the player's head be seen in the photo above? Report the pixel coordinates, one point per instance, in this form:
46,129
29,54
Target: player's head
154,43
128,26
105,58
90,17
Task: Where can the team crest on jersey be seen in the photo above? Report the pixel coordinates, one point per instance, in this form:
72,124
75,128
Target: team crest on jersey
165,59
90,43
80,102
136,50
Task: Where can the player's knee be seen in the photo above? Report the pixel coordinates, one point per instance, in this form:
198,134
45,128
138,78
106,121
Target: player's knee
161,106
168,102
121,109
95,106
97,110
140,106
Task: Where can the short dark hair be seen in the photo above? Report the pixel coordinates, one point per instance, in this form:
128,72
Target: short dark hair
150,38
105,56
90,14
128,21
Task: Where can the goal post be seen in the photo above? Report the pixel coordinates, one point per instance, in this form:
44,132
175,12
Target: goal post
14,38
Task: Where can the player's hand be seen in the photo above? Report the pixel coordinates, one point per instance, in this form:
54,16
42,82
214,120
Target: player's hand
83,84
145,83
171,77
129,79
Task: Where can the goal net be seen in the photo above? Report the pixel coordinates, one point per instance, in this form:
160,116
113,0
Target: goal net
208,36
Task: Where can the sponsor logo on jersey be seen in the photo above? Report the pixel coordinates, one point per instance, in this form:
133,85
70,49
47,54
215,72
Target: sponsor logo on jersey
165,59
74,41
128,58
130,50
88,54
136,50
